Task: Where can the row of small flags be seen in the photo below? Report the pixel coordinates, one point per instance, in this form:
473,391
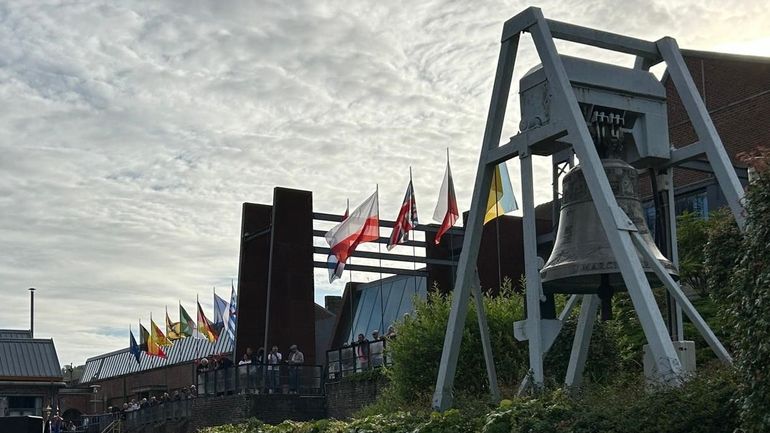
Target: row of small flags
363,224
153,340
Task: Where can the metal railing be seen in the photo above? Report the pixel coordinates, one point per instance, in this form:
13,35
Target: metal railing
356,358
260,378
96,423
160,413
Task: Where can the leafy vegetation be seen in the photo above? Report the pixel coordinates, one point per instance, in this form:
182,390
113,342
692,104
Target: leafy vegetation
703,405
749,291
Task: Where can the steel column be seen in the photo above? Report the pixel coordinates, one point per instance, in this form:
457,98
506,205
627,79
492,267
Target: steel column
704,128
582,340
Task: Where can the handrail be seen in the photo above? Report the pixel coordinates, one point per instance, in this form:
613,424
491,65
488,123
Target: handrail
356,358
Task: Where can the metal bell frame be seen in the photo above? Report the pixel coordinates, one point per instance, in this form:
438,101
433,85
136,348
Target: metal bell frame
567,124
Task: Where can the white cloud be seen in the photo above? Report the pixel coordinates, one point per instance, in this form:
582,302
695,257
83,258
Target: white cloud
132,132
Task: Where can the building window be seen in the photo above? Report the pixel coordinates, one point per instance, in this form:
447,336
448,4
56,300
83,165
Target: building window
696,203
21,405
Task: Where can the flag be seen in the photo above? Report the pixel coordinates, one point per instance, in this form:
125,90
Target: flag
363,225
143,337
173,329
336,267
134,348
501,199
446,209
186,323
157,336
220,311
232,322
205,327
407,219
154,341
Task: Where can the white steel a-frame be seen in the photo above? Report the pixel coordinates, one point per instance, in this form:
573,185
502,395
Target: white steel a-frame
568,125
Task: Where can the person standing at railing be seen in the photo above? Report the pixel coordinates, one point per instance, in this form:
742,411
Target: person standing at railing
296,358
362,352
56,423
273,368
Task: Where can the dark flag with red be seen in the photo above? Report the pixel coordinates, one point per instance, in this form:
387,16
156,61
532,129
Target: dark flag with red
407,219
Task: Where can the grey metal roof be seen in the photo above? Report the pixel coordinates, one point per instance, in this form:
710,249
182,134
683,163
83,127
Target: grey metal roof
28,358
121,362
15,333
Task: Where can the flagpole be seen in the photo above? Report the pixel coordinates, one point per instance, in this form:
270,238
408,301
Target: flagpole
352,292
379,251
497,229
451,240
414,248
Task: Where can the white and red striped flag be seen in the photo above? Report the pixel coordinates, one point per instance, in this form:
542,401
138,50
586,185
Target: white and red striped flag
363,225
446,209
336,267
407,218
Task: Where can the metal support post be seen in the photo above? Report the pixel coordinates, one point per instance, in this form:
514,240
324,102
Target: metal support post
682,300
486,343
568,307
579,354
673,248
442,397
704,128
616,224
532,273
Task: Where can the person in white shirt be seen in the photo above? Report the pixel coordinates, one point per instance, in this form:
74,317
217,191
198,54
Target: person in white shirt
273,368
296,358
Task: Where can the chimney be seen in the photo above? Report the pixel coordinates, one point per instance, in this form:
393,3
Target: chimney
333,303
32,312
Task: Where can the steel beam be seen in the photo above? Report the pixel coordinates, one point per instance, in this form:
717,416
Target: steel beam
521,141
582,340
532,273
683,301
704,128
486,342
375,269
442,398
606,40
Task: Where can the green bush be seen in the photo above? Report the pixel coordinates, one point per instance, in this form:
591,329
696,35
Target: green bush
750,287
703,405
417,350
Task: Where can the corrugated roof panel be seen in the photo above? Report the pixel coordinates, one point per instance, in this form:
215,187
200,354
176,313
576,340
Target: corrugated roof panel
122,362
15,333
25,357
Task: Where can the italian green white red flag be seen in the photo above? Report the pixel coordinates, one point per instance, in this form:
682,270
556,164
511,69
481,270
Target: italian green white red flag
363,225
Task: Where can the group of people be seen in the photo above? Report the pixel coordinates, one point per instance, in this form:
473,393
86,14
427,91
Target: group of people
369,354
178,395
268,367
57,424
294,359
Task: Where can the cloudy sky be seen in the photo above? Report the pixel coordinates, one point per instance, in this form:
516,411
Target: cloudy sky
132,131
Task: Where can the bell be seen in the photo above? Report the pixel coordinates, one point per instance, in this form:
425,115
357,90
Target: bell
582,261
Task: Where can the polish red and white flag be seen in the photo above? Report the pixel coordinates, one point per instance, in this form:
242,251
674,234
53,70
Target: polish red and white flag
336,267
363,225
446,209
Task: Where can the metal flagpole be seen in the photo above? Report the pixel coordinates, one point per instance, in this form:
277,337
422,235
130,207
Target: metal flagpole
414,248
452,267
379,251
496,177
269,290
351,291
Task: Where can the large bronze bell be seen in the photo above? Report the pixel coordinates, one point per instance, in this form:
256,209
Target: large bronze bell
582,260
